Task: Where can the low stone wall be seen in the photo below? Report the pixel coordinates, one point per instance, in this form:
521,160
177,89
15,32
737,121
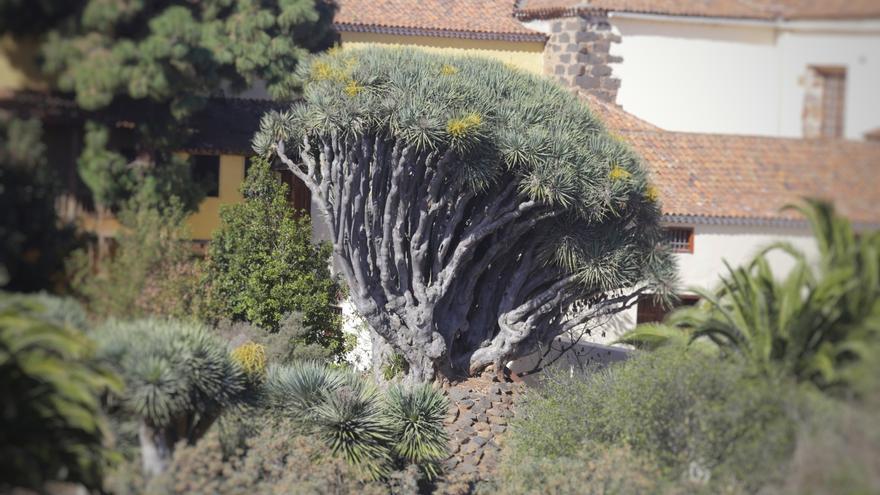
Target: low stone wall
479,414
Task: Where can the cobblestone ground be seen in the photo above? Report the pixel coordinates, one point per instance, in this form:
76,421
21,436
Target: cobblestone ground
480,410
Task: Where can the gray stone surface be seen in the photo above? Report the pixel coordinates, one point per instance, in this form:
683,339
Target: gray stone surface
577,54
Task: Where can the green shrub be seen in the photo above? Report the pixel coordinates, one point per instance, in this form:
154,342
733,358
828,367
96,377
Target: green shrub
816,324
179,378
278,460
52,426
150,273
686,410
838,451
612,470
262,264
289,343
416,415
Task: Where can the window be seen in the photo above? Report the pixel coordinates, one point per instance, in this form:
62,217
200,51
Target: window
833,96
650,311
206,171
680,239
825,101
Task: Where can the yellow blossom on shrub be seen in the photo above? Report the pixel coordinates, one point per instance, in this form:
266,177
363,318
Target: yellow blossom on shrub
461,127
353,88
448,70
252,358
651,194
619,173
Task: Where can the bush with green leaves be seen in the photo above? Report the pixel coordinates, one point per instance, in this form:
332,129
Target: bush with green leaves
179,379
476,211
683,410
416,414
590,470
816,324
262,264
289,343
151,272
52,426
58,310
33,241
373,433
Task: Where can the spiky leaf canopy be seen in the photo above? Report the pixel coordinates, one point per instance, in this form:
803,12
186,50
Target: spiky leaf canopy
501,124
171,368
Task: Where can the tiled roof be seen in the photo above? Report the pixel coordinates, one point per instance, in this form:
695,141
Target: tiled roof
744,9
751,177
476,19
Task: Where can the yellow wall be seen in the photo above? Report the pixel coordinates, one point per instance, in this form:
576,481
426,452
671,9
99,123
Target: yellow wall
203,223
528,55
18,69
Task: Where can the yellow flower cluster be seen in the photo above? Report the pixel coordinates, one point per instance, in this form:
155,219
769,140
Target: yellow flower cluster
619,173
252,358
353,88
463,126
651,194
448,70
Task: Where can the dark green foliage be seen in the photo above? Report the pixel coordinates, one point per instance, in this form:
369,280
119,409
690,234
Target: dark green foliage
262,264
155,63
33,243
52,426
683,410
151,272
818,323
416,415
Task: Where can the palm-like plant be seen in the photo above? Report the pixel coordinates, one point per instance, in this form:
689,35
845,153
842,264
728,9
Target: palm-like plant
811,324
179,379
351,421
294,390
52,427
416,415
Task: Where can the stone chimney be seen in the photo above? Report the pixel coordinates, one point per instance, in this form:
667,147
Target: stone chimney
577,54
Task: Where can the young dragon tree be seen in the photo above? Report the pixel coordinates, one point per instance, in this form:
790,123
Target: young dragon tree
477,212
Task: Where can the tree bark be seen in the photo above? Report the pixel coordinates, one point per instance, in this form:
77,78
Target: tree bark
157,446
450,278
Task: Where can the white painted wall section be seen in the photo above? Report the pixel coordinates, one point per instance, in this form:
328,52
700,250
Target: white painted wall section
717,76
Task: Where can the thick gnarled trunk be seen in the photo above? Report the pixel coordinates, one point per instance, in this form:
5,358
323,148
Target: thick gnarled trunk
452,279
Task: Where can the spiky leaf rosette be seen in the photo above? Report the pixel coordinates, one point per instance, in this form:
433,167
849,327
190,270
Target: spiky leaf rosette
172,369
294,390
416,415
351,421
476,211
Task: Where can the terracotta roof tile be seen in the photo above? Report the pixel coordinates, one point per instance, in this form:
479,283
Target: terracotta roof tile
747,9
492,19
718,175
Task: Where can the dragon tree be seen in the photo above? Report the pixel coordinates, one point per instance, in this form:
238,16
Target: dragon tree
477,211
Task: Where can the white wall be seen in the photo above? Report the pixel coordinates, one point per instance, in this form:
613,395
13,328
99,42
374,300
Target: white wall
742,77
713,244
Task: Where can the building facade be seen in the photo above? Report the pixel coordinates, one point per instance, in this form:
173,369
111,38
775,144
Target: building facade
737,108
